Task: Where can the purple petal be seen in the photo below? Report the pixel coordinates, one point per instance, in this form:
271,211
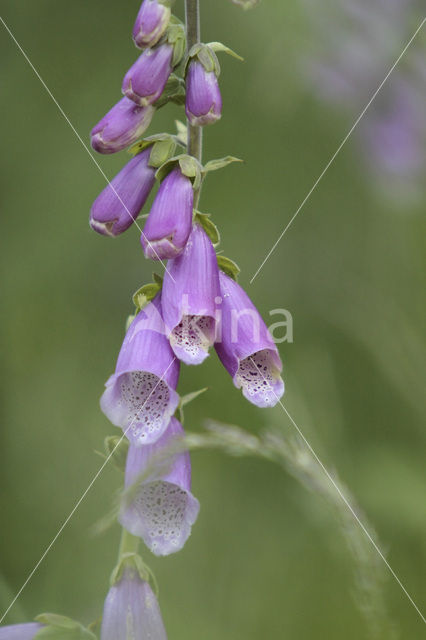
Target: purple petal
246,348
140,397
121,126
145,80
191,284
164,509
20,631
203,98
120,203
170,220
131,611
151,22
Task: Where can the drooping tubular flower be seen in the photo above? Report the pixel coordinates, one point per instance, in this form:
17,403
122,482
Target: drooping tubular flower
131,610
190,289
26,631
120,203
203,99
140,396
121,126
160,508
151,22
169,222
246,348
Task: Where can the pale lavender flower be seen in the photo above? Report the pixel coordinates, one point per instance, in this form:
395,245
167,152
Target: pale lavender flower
203,99
145,80
151,23
246,348
120,203
190,287
162,509
140,396
26,631
131,610
121,126
169,222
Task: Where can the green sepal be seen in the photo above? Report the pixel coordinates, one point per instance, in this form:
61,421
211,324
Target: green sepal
116,448
145,294
219,163
157,279
220,47
175,36
206,56
61,628
132,562
129,321
189,166
186,399
209,227
174,91
246,4
163,147
228,266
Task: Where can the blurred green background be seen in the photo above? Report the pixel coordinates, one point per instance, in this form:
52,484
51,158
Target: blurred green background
266,558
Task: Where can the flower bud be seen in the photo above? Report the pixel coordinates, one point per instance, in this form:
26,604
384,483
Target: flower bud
151,23
140,396
160,508
131,610
25,631
121,126
120,203
203,100
169,222
191,284
145,80
246,348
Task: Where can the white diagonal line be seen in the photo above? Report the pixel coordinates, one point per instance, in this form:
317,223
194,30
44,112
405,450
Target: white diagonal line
86,148
78,503
342,495
336,153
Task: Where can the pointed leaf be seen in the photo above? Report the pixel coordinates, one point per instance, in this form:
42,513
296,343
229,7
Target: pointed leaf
218,46
157,279
116,448
214,165
228,266
161,152
145,294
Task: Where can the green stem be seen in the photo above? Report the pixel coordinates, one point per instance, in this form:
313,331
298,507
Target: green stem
195,134
128,543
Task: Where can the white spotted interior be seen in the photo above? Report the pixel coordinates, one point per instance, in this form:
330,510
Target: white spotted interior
161,507
145,399
257,376
192,335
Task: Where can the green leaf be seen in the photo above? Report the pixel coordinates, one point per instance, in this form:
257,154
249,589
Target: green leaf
209,227
228,266
206,56
174,91
146,142
61,628
218,46
189,166
214,165
145,294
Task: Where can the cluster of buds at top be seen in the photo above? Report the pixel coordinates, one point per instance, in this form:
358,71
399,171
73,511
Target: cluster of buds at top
179,318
